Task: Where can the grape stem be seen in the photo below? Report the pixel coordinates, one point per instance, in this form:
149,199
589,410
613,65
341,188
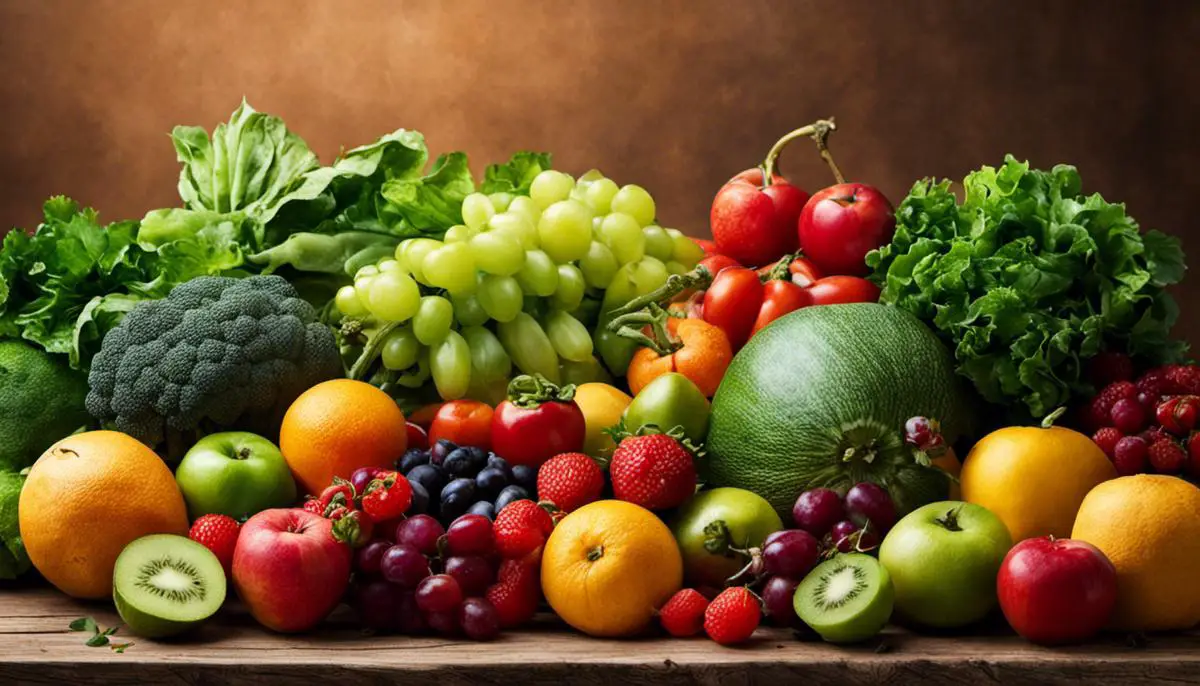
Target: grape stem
371,352
660,341
699,279
818,131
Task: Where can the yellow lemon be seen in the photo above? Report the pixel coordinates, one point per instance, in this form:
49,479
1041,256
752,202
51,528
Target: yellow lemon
602,407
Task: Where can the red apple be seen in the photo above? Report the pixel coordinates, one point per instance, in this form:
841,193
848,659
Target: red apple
755,223
1055,591
289,570
841,224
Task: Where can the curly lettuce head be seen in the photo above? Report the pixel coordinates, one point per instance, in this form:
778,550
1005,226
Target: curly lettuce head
1026,278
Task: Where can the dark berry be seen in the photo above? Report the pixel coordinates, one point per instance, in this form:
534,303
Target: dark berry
511,494
1107,439
412,459
440,450
1128,415
1129,456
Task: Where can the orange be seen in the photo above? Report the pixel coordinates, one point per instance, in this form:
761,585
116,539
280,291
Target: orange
86,498
608,566
1149,527
1034,478
338,426
602,407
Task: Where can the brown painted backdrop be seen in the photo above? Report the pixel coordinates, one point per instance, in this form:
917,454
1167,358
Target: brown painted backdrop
676,96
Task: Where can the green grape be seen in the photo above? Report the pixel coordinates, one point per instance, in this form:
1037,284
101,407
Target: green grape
599,195
597,222
525,207
390,265
565,230
539,275
598,265
348,302
674,267
414,256
450,364
624,237
500,201
467,310
393,297
636,202
648,274
489,362
571,287
571,339
584,372
528,346
433,319
549,187
687,252
497,252
477,209
362,288
451,267
401,250
500,297
401,349
458,234
658,244
588,177
366,271
516,225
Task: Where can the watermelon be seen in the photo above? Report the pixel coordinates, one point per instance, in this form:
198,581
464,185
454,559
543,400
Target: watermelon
820,398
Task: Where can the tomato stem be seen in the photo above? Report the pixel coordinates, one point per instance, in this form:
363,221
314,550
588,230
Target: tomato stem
781,268
699,278
660,341
818,131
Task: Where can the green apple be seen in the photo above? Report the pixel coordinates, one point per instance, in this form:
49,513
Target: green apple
943,559
234,473
711,523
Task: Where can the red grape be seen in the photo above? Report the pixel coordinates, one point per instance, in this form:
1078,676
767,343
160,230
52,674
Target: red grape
777,596
368,557
1131,456
409,619
473,573
817,510
847,537
868,502
478,619
470,534
1130,416
438,593
378,604
792,552
445,623
405,565
421,532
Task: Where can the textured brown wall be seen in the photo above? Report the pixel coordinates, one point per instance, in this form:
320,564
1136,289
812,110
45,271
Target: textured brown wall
676,96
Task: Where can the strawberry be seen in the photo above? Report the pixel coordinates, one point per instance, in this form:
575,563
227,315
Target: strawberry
353,527
683,615
732,616
1107,439
313,505
653,471
218,533
520,528
1099,410
1167,456
517,590
1178,414
387,496
570,481
1129,457
1107,367
1183,379
337,497
1193,451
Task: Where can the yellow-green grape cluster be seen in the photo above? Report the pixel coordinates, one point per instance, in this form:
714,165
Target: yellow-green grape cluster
506,286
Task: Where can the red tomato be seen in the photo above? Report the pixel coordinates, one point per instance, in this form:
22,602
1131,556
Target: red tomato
715,263
779,298
706,245
417,437
804,272
530,428
732,303
836,290
463,422
424,415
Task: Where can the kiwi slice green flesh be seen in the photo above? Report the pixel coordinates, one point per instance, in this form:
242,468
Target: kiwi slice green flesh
846,599
164,585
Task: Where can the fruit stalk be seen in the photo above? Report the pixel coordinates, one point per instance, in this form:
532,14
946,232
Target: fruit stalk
819,131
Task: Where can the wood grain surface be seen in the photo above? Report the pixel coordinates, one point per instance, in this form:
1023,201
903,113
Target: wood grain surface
232,649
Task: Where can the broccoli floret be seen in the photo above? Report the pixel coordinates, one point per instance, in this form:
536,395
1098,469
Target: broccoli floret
216,353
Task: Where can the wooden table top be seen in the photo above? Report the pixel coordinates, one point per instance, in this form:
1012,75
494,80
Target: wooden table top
37,648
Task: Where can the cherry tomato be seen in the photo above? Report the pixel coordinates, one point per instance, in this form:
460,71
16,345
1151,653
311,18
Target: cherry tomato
709,247
538,421
779,298
463,422
715,263
804,272
836,290
424,415
417,436
732,303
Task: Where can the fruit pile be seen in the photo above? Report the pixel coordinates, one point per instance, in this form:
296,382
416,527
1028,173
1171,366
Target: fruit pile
449,481
1147,424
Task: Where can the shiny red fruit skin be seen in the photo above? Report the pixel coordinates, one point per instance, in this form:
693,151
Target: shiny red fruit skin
839,290
530,436
715,263
709,247
1056,591
841,224
756,225
732,302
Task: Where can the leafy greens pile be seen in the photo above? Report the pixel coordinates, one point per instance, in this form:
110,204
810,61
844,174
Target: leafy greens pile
1026,278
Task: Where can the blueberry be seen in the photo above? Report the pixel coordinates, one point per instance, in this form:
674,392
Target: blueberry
431,476
411,459
459,463
420,499
500,463
484,508
511,494
525,477
490,482
457,497
440,450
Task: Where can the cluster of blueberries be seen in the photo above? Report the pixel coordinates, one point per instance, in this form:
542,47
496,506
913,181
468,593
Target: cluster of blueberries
449,481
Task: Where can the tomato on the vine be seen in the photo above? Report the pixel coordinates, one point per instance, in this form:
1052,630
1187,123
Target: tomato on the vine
463,422
837,290
779,298
538,421
732,302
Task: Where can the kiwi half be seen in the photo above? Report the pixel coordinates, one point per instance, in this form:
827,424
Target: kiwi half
164,585
846,599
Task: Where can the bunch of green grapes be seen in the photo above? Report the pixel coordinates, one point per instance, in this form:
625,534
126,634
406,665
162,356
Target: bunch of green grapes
517,284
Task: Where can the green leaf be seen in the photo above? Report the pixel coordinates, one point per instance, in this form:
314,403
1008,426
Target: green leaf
14,561
516,175
87,624
97,640
433,201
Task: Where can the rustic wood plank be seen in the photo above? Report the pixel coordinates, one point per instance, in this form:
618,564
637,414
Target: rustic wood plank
37,649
